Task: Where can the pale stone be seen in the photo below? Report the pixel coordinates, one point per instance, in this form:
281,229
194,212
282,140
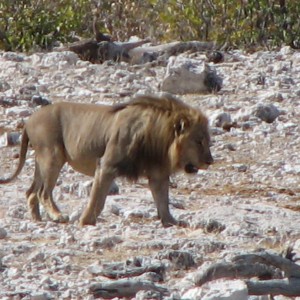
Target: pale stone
189,76
222,119
226,290
3,233
54,58
17,111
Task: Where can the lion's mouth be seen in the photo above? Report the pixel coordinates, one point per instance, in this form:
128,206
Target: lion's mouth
190,168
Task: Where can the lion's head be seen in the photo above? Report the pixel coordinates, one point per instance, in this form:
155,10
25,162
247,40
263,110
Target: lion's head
190,150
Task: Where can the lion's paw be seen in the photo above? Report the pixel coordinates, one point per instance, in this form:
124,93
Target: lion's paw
85,221
63,218
168,222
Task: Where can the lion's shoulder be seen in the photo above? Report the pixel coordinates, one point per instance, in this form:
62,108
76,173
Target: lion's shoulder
165,103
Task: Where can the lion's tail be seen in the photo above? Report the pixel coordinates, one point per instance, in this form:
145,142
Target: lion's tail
22,158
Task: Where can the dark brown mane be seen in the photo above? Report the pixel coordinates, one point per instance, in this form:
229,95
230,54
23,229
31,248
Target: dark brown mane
150,145
165,103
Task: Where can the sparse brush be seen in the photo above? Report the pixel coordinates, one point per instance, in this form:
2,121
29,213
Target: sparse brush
29,25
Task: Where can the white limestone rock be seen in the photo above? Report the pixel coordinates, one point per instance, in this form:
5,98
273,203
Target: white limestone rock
220,290
189,76
66,58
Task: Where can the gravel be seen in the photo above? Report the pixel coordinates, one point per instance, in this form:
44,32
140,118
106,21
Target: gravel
248,199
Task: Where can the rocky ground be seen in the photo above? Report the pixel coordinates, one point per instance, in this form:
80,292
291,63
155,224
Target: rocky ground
248,199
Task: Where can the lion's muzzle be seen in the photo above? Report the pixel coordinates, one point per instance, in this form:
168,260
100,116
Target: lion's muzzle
191,168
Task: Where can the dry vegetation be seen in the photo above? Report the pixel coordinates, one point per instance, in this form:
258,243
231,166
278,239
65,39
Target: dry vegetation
40,24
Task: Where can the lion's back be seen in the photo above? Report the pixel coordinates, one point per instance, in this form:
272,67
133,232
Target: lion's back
73,125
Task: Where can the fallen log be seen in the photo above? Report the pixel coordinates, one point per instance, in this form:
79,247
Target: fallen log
277,275
170,49
118,51
103,48
87,50
286,287
289,268
98,52
112,273
235,271
135,52
124,288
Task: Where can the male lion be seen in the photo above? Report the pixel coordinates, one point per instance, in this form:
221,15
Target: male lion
148,136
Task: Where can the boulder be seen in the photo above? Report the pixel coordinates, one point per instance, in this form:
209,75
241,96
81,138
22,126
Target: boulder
190,76
267,113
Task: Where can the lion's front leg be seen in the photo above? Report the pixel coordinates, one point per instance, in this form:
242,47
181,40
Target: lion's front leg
160,192
100,189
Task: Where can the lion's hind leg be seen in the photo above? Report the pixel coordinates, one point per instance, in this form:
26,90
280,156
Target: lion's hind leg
32,197
49,162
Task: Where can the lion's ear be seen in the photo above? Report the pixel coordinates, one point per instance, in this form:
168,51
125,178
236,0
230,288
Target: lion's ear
180,127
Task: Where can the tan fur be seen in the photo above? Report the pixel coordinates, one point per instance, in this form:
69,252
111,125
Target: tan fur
149,136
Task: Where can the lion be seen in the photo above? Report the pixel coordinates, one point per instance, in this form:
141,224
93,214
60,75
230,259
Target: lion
148,136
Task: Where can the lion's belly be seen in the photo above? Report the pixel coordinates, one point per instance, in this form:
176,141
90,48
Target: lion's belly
83,156
86,166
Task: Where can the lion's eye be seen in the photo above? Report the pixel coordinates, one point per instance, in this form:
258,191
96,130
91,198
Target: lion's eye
200,142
